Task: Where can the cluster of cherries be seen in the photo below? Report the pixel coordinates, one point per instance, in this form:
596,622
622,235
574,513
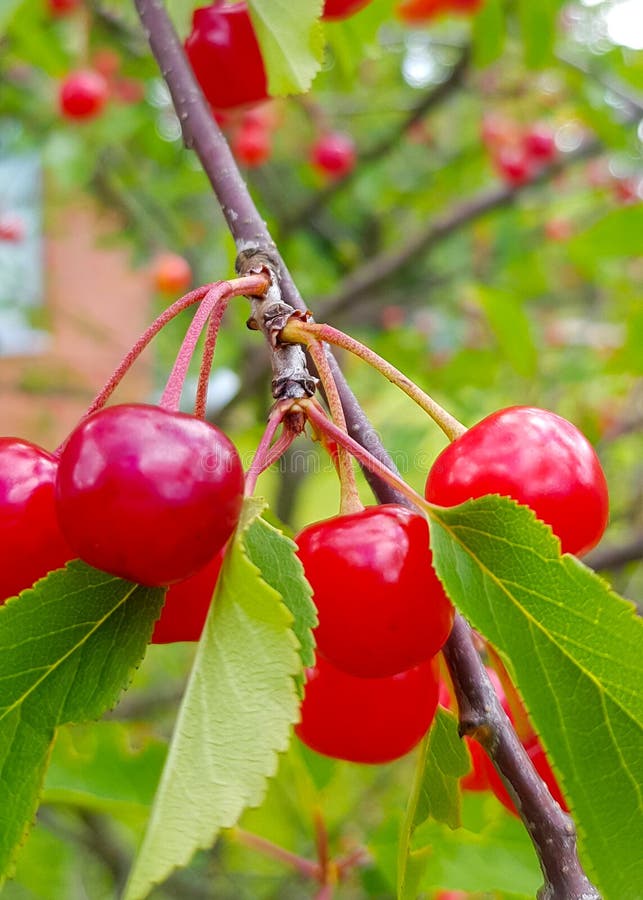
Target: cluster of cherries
383,614
220,36
137,491
153,496
517,153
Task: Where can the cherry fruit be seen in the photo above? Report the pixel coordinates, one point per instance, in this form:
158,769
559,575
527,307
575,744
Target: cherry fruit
171,273
12,228
342,9
513,165
367,720
381,607
334,154
62,7
147,494
536,457
30,537
223,51
83,94
539,144
252,145
186,605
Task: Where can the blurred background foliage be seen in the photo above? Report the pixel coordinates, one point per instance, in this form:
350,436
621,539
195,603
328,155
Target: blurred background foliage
486,294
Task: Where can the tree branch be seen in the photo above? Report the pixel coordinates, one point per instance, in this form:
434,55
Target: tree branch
551,831
202,134
616,557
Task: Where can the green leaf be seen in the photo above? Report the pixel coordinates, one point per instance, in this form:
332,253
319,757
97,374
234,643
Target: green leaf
235,717
573,648
99,767
68,647
274,555
489,32
443,760
491,852
538,30
615,236
511,327
291,42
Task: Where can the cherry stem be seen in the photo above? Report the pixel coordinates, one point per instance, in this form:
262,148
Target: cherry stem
215,303
132,355
201,402
304,866
349,498
321,421
265,455
301,332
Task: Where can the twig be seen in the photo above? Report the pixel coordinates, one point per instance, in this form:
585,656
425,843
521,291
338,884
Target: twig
202,134
616,557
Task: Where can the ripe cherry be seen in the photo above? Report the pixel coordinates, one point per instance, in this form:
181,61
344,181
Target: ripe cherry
537,754
513,165
83,94
367,720
147,494
223,51
536,457
30,537
186,605
62,7
539,143
381,607
252,145
334,154
342,9
171,273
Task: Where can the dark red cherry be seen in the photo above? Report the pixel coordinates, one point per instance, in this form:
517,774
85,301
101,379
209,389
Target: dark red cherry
187,604
30,537
148,494
381,607
223,50
536,457
367,720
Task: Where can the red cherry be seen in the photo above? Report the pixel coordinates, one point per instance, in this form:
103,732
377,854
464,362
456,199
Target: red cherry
186,605
252,145
334,154
451,895
106,61
558,229
367,720
538,757
224,53
513,165
381,607
83,94
536,457
62,7
12,228
30,536
171,273
148,494
342,9
539,143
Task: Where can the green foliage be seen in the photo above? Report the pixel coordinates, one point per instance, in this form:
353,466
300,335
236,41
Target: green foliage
573,649
235,716
291,45
67,650
442,761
